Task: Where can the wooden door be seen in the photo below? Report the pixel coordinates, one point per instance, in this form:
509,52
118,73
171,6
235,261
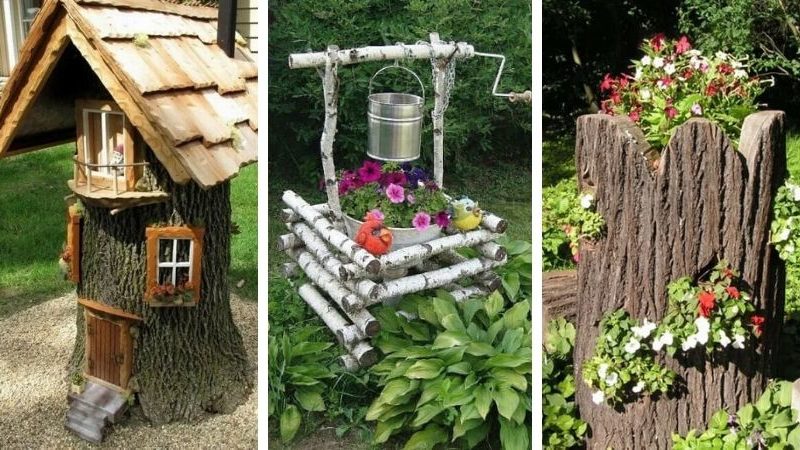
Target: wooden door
105,355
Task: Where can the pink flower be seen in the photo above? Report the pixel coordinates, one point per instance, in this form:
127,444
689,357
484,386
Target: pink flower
442,219
421,221
375,214
657,41
370,171
607,83
346,185
683,45
395,193
398,178
411,199
697,110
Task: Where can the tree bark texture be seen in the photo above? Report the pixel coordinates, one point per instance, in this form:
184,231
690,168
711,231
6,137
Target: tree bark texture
187,360
669,217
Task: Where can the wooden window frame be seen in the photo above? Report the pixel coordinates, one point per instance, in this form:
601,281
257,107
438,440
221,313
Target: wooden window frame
154,235
74,243
131,153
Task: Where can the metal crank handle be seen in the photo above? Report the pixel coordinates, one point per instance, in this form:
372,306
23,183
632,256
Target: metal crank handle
520,97
513,97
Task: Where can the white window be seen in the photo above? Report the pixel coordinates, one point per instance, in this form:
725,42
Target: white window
104,141
175,258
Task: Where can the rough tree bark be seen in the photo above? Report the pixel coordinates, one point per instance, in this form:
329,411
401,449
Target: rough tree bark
704,201
188,360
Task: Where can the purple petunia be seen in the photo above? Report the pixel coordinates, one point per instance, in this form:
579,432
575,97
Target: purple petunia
346,185
442,219
416,175
421,221
398,178
370,171
395,193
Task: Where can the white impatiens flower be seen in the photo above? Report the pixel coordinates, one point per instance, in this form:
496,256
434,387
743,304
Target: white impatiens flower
697,110
644,94
632,346
738,341
663,340
612,379
724,340
644,330
587,200
795,189
739,73
638,74
702,337
602,370
658,62
702,324
646,60
669,68
689,343
721,55
783,234
598,397
694,53
638,388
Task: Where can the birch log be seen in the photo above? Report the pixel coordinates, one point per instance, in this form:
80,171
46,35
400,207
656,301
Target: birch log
364,354
463,293
493,222
487,280
437,278
328,232
289,216
330,90
286,241
414,254
289,270
329,314
346,57
350,303
349,363
492,250
437,115
316,245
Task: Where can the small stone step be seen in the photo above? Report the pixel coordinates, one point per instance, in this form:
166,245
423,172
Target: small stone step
80,411
85,431
109,401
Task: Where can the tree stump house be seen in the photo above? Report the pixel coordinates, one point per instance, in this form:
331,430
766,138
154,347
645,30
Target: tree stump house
162,119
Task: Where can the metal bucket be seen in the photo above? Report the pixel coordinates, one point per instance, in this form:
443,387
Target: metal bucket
395,123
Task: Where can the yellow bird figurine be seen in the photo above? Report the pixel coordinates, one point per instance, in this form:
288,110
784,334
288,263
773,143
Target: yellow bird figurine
466,214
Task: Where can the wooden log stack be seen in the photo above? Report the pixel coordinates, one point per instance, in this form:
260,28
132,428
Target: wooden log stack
345,279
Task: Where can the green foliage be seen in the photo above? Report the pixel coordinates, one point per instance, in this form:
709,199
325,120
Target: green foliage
565,222
454,371
561,425
786,223
298,370
768,423
478,124
517,274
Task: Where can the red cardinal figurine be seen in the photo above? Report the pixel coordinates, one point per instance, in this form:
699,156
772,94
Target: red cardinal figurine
373,236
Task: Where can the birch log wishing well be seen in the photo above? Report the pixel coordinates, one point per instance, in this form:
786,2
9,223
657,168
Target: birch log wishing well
706,201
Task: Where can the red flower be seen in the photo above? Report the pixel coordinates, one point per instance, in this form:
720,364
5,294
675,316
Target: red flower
623,81
657,42
606,107
758,324
683,45
665,81
670,112
732,291
688,73
706,303
725,69
608,83
634,115
728,273
616,98
712,89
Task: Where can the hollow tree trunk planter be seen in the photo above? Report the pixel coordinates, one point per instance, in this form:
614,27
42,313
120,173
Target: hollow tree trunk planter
186,360
701,201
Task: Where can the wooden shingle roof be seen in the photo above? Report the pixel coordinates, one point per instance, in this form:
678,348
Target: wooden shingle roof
195,107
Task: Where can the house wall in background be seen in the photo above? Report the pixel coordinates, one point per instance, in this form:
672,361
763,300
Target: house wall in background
247,22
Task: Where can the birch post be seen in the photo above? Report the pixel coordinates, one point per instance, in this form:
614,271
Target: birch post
289,216
706,201
330,89
349,56
437,115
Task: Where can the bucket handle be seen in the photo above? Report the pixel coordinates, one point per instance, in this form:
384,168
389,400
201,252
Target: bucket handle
422,86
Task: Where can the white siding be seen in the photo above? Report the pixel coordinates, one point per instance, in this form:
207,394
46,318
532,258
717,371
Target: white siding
247,22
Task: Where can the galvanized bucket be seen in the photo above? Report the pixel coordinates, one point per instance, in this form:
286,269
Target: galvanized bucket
395,123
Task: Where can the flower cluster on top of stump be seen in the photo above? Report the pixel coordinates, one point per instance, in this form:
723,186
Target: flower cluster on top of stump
402,196
674,82
712,315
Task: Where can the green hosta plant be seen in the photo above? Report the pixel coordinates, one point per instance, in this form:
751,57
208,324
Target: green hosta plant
298,371
561,425
517,273
454,371
768,423
786,223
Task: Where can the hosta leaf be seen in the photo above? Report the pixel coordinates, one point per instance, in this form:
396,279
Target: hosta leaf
512,340
460,429
427,439
430,391
477,435
388,319
507,401
444,308
513,436
395,411
418,331
388,343
310,348
483,400
425,369
520,413
494,304
476,333
426,413
302,380
516,315
377,409
451,355
385,429
309,399
415,352
399,370
290,423
427,313
480,349
462,368
450,339
470,380
511,377
507,360
469,412
452,322
471,307
394,389
494,329
511,284
784,394
316,371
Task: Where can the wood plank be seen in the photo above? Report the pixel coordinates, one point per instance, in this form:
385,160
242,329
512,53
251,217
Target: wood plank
128,99
74,242
200,12
150,68
212,59
103,308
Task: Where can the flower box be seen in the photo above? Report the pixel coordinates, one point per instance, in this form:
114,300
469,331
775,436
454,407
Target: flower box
401,237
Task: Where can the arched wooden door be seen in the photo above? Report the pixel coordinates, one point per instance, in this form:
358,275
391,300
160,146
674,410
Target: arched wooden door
109,346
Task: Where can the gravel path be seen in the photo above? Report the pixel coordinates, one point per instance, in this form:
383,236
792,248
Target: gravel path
35,346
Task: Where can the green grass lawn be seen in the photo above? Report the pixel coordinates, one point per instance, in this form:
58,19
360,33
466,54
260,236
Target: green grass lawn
504,189
32,228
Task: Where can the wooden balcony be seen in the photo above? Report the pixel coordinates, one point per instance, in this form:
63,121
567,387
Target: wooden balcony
116,191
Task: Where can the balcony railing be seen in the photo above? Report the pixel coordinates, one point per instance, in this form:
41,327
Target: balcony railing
117,171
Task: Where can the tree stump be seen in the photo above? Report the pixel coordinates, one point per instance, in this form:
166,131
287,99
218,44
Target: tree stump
668,217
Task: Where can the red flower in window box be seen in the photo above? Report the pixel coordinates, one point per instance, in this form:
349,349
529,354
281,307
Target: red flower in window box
706,303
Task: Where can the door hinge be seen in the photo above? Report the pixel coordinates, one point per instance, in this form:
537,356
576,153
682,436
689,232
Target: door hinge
119,358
